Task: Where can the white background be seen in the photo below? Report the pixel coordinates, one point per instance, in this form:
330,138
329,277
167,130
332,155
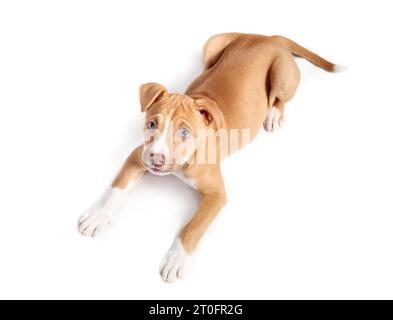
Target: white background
310,207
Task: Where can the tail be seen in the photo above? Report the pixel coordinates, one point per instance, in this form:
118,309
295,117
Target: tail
307,54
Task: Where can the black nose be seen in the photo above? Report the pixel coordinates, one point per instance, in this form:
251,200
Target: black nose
157,159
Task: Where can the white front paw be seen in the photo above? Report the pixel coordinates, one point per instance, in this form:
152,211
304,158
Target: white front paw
273,120
174,263
95,219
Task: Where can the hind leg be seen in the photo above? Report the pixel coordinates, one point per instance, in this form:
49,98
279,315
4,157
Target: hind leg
214,47
275,117
284,77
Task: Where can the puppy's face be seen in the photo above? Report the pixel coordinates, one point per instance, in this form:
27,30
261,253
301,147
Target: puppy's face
174,128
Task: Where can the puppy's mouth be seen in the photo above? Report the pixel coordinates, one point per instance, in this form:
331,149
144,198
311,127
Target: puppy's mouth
159,170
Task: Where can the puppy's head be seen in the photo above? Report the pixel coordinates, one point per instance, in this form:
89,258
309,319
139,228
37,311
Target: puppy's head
174,127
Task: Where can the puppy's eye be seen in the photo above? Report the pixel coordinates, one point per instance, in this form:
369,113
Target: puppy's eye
184,133
152,125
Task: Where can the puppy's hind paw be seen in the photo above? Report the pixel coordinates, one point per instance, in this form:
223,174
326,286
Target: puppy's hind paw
274,120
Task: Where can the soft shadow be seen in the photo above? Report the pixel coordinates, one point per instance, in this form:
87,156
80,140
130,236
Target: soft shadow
167,194
194,70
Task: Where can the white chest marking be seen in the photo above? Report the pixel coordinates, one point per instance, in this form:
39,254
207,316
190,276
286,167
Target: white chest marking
190,182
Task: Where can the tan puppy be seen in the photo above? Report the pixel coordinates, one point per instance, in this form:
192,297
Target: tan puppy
246,82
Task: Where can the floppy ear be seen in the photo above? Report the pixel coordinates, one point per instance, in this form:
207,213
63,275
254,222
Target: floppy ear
210,113
149,93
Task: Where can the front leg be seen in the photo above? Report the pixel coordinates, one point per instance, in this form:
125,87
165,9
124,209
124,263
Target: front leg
102,213
212,192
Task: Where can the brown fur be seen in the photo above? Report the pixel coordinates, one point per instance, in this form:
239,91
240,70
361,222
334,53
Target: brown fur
244,76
